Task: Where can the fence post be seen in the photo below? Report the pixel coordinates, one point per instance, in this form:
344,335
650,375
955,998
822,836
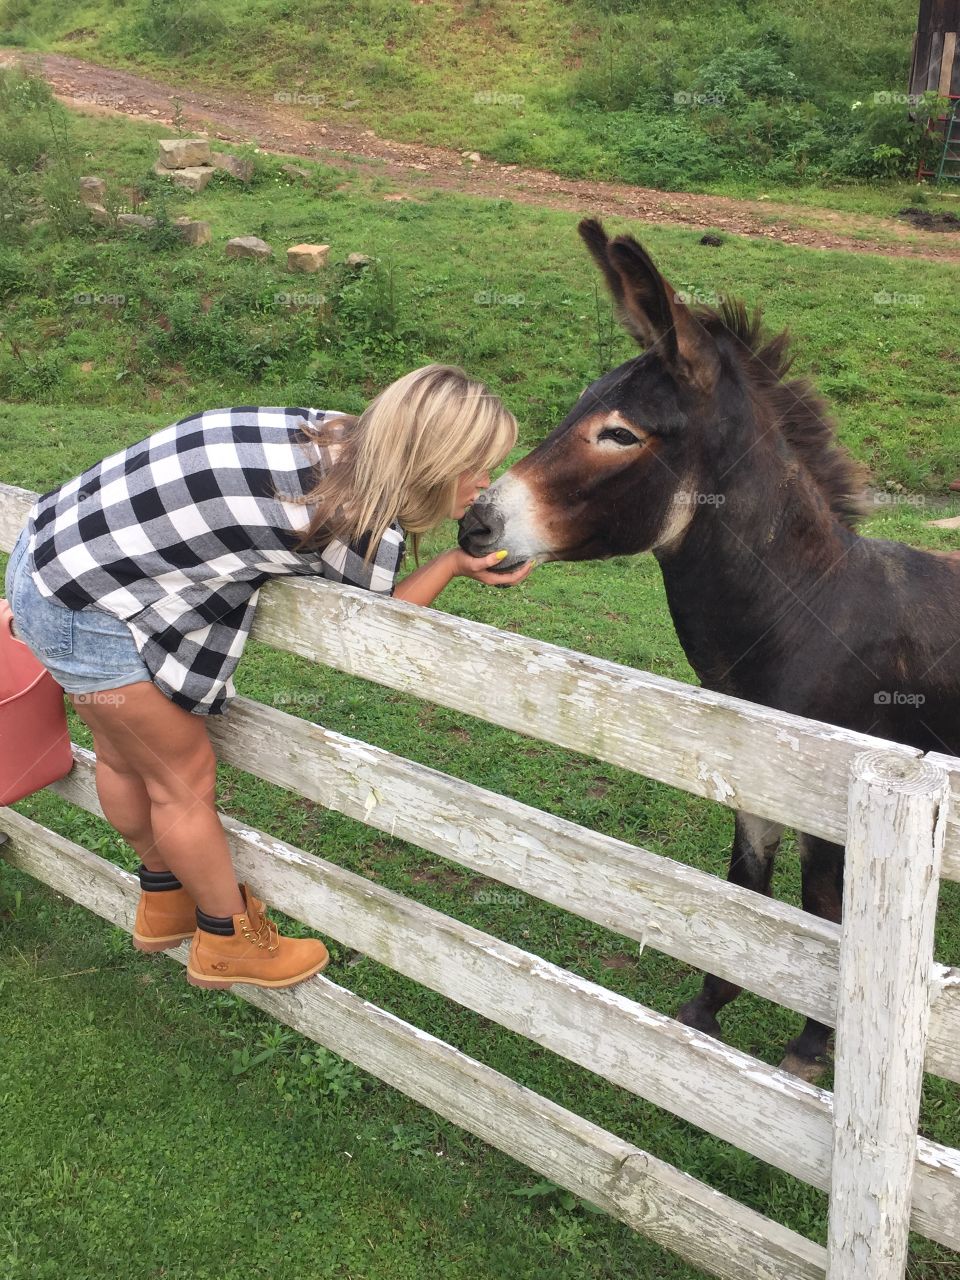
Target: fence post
896,823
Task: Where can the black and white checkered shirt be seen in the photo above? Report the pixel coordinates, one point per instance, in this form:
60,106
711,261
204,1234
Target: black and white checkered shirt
177,533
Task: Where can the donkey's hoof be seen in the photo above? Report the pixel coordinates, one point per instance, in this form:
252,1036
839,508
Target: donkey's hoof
693,1014
810,1069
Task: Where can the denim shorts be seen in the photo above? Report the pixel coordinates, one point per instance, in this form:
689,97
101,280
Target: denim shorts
85,650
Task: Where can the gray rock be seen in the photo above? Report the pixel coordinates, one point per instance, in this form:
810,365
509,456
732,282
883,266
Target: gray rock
135,220
192,180
194,233
307,257
92,190
239,167
248,247
183,153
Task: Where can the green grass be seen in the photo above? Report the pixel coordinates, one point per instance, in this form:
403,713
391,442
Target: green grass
164,329
587,90
150,1129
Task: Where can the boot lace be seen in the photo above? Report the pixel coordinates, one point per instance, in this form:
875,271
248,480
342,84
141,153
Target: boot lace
266,937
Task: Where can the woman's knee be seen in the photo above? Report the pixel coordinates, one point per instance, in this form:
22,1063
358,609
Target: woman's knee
185,780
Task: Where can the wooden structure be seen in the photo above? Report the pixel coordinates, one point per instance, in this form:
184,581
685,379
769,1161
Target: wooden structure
936,49
897,1011
935,65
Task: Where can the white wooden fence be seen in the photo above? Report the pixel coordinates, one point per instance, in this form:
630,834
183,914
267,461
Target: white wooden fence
897,1012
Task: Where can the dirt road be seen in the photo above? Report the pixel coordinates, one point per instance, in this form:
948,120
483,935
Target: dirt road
414,168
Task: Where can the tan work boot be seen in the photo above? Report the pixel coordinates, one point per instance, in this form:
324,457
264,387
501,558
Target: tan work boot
255,953
164,919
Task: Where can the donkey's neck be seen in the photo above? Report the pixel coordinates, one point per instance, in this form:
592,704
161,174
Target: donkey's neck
755,568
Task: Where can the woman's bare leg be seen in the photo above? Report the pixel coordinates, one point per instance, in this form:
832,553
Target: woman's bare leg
144,735
126,804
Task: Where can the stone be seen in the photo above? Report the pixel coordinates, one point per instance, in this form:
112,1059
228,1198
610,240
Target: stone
358,260
192,180
193,233
307,257
100,215
248,247
351,104
183,153
474,156
239,167
92,190
135,220
294,171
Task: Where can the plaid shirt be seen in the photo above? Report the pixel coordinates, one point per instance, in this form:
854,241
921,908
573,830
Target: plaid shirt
177,533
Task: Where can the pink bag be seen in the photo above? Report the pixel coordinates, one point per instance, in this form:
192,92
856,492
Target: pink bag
34,739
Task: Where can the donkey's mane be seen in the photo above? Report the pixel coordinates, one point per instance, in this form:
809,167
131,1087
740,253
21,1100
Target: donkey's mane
802,415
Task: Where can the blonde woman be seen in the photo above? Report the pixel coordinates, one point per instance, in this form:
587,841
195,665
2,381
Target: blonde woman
142,574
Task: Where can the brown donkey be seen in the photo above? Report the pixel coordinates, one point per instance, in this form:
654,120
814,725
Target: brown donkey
702,452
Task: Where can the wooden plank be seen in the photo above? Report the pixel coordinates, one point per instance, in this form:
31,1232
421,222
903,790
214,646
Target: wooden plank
946,63
768,947
745,756
950,867
891,882
740,754
708,1229
15,504
734,1096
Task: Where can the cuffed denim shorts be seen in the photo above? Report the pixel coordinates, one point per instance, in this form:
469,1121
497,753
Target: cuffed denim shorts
85,650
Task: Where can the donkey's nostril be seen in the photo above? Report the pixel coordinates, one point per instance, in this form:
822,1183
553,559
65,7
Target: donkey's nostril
479,527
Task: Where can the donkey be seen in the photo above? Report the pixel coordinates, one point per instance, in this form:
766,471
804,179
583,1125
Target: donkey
701,451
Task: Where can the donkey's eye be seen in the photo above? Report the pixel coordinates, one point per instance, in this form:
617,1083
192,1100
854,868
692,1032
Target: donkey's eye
619,434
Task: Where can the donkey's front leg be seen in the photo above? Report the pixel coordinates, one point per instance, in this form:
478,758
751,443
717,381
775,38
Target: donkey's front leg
822,870
755,844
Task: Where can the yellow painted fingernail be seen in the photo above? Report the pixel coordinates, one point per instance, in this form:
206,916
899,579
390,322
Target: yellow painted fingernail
502,555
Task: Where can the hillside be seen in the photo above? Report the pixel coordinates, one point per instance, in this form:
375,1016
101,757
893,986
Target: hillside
660,94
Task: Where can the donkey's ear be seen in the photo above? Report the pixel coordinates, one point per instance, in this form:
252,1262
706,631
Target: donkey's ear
650,308
596,240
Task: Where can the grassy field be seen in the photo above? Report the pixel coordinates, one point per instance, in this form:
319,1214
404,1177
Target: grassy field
720,97
150,1129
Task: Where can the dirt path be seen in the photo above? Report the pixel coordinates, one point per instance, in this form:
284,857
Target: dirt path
241,117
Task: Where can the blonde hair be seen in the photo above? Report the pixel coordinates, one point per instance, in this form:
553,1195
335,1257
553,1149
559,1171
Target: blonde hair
402,458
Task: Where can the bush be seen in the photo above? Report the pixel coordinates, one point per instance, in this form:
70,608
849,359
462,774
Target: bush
886,140
179,26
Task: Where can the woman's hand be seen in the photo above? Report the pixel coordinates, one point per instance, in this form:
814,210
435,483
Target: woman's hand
425,584
478,567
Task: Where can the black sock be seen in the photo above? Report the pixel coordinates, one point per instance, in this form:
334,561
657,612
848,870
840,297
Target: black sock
222,925
157,881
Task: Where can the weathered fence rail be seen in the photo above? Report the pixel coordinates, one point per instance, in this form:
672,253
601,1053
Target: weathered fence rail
897,810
